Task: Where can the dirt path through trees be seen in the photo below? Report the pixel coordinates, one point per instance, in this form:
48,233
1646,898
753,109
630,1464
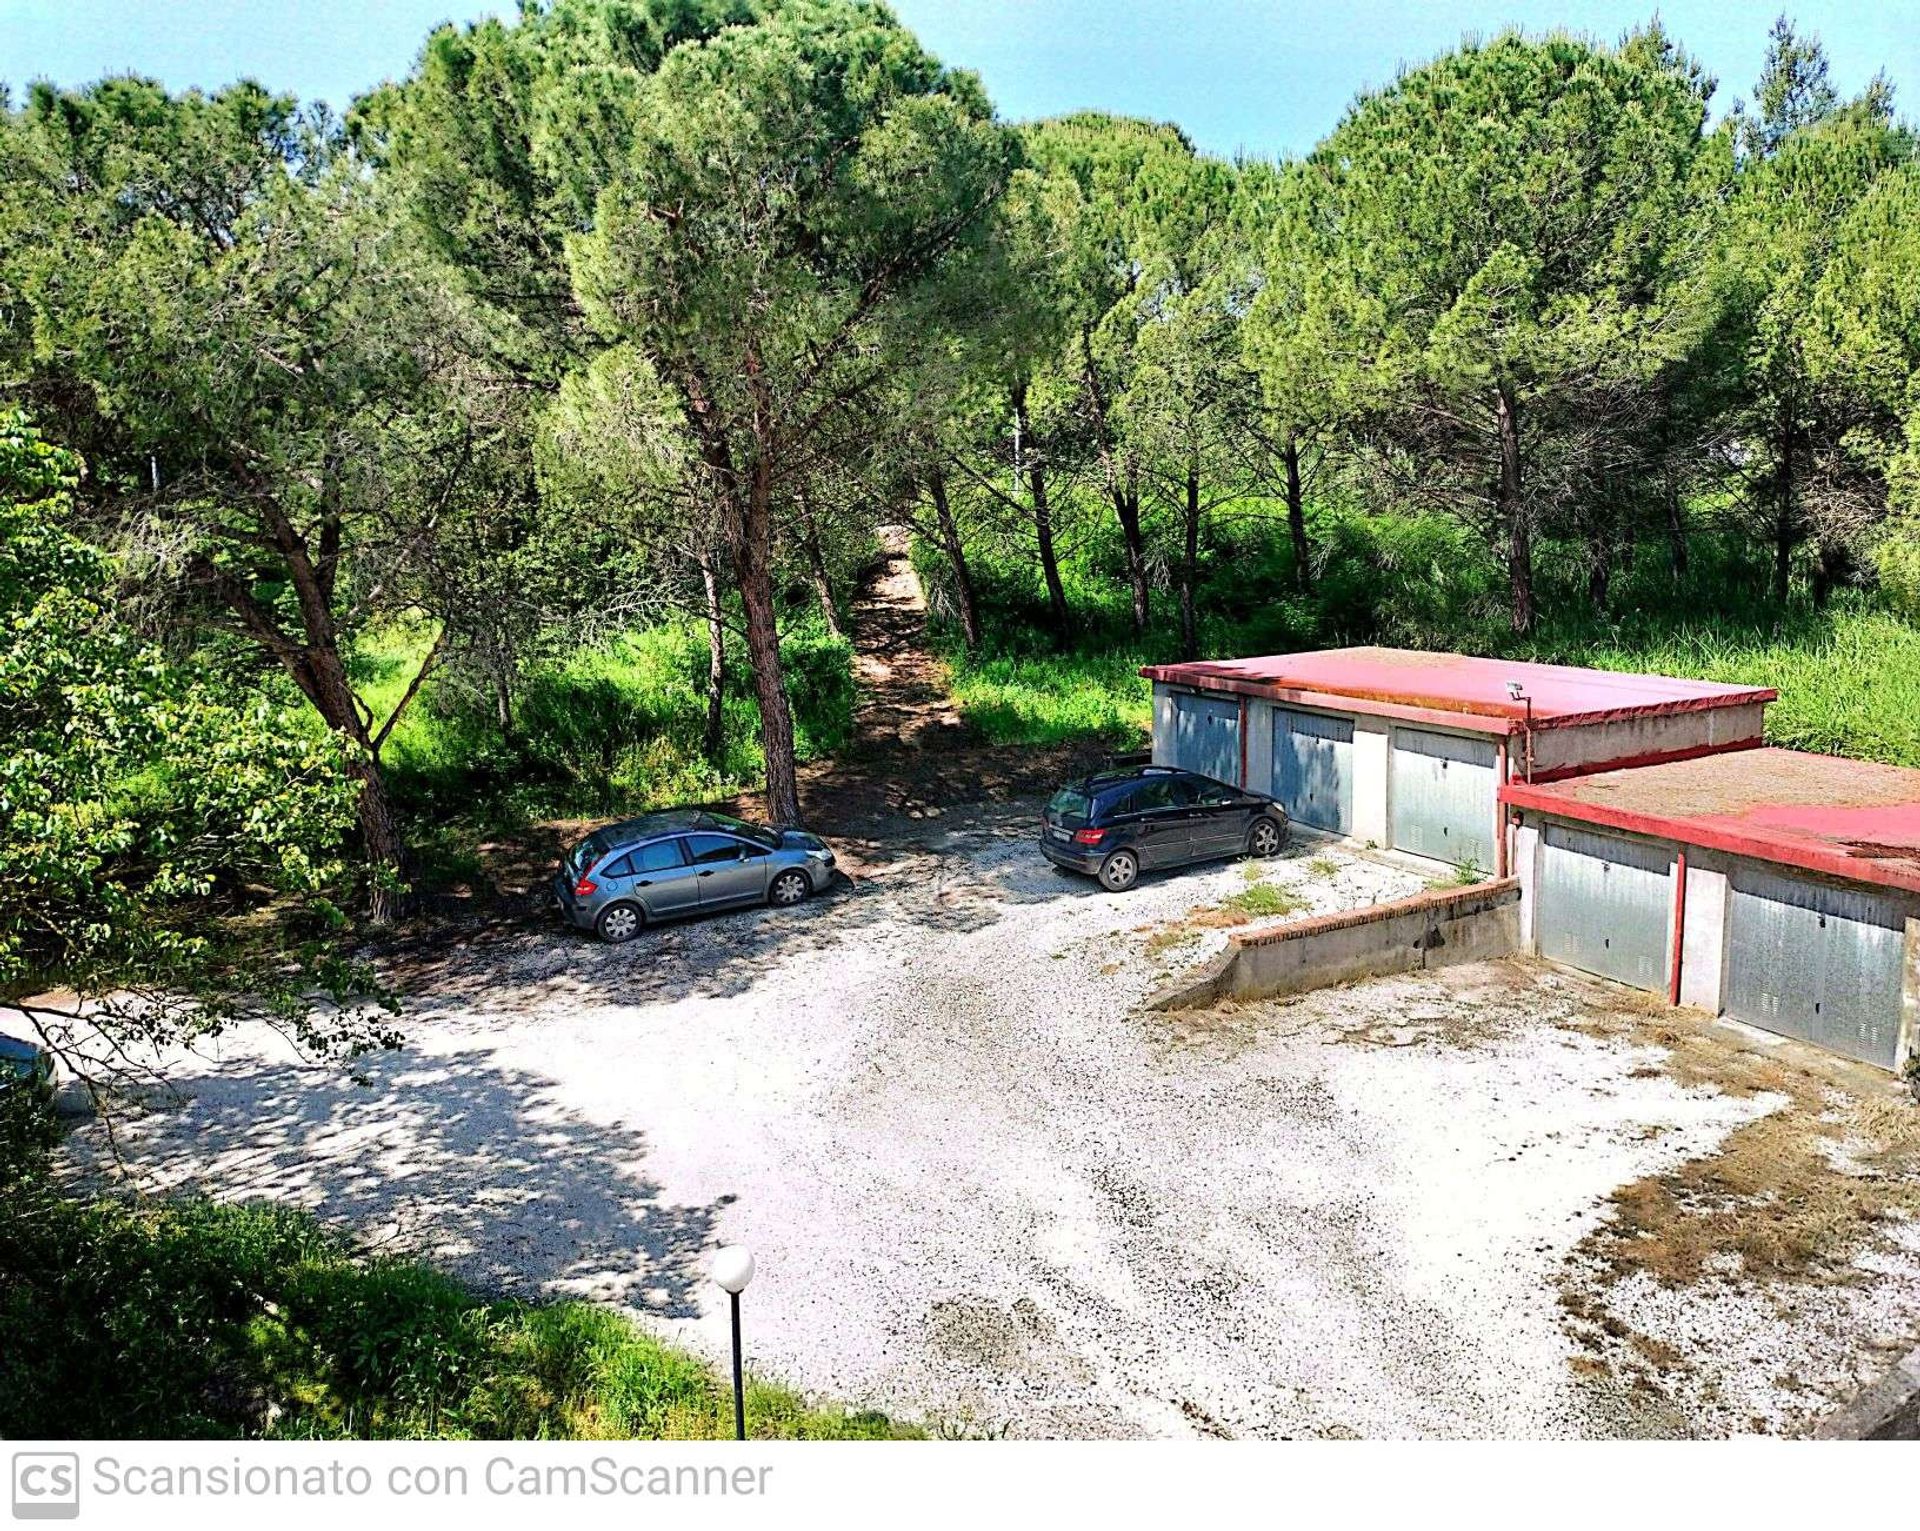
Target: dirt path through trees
912,763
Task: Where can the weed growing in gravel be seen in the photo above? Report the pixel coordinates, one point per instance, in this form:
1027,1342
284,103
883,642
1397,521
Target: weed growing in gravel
1772,1195
1262,900
1323,866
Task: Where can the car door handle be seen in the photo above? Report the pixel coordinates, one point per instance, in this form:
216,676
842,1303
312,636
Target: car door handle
645,882
706,874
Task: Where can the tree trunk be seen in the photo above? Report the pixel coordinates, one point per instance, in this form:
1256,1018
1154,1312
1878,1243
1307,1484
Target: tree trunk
503,699
746,523
1126,505
817,566
1832,563
1786,533
1600,568
322,676
1513,516
1676,529
1297,517
1042,518
1123,488
752,549
956,552
713,744
316,667
389,894
1189,565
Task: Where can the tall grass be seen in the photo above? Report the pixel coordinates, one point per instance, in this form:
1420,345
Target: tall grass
613,727
1848,675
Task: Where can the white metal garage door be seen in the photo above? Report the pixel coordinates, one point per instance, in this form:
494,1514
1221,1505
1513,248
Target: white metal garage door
1816,962
1443,797
1206,736
1313,768
1605,905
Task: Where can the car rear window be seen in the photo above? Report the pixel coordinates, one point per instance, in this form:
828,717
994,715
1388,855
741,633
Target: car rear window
587,852
1070,807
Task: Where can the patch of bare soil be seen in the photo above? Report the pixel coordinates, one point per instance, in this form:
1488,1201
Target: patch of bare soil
1791,1195
1775,1239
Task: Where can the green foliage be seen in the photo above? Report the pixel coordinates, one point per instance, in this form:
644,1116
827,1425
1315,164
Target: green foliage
612,727
191,1319
138,806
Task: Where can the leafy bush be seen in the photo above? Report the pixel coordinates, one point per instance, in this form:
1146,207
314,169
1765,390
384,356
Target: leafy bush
190,1319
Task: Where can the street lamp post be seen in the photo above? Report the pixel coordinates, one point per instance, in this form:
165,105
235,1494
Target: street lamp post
733,1269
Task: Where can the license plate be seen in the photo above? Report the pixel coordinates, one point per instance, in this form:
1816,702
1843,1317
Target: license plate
1060,834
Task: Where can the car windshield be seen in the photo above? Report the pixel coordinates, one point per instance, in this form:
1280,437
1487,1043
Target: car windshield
767,837
1070,806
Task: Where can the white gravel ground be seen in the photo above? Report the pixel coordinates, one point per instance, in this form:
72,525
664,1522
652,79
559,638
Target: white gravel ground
983,1187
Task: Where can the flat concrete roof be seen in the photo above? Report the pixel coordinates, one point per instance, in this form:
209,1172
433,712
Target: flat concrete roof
1850,819
1385,680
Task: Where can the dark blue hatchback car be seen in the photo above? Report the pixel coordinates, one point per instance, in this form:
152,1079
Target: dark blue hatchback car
1114,825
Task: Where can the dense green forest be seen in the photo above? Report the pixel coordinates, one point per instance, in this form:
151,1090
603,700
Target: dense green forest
512,445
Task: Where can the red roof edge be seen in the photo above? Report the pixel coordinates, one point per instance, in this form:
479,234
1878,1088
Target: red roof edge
1400,704
1710,836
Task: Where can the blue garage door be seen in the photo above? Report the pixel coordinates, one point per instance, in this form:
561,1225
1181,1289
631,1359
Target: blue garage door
1313,768
1444,789
1206,736
1605,905
1817,962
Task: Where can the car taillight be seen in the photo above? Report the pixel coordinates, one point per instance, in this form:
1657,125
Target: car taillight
585,889
1089,836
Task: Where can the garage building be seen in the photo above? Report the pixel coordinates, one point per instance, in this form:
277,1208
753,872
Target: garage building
1774,887
1408,749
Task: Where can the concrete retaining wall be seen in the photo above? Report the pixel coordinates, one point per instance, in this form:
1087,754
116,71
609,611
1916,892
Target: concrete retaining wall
1430,929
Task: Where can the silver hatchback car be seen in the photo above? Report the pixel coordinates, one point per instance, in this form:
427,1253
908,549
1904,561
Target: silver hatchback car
684,861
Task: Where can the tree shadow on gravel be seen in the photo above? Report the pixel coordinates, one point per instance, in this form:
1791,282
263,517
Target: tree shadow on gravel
475,1168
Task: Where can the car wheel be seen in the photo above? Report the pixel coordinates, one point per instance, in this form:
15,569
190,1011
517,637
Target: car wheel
619,923
1120,871
1265,838
789,888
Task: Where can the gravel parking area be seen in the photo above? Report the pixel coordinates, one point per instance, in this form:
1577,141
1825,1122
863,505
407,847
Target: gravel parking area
985,1188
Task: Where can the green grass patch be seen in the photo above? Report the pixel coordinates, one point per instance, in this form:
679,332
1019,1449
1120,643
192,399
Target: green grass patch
1263,900
616,727
1849,678
1054,699
1848,674
196,1320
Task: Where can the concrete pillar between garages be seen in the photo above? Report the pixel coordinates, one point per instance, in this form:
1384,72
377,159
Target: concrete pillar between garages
1909,997
1371,756
1703,943
1526,866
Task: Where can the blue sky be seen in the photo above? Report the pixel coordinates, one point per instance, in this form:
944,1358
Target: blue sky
1265,76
